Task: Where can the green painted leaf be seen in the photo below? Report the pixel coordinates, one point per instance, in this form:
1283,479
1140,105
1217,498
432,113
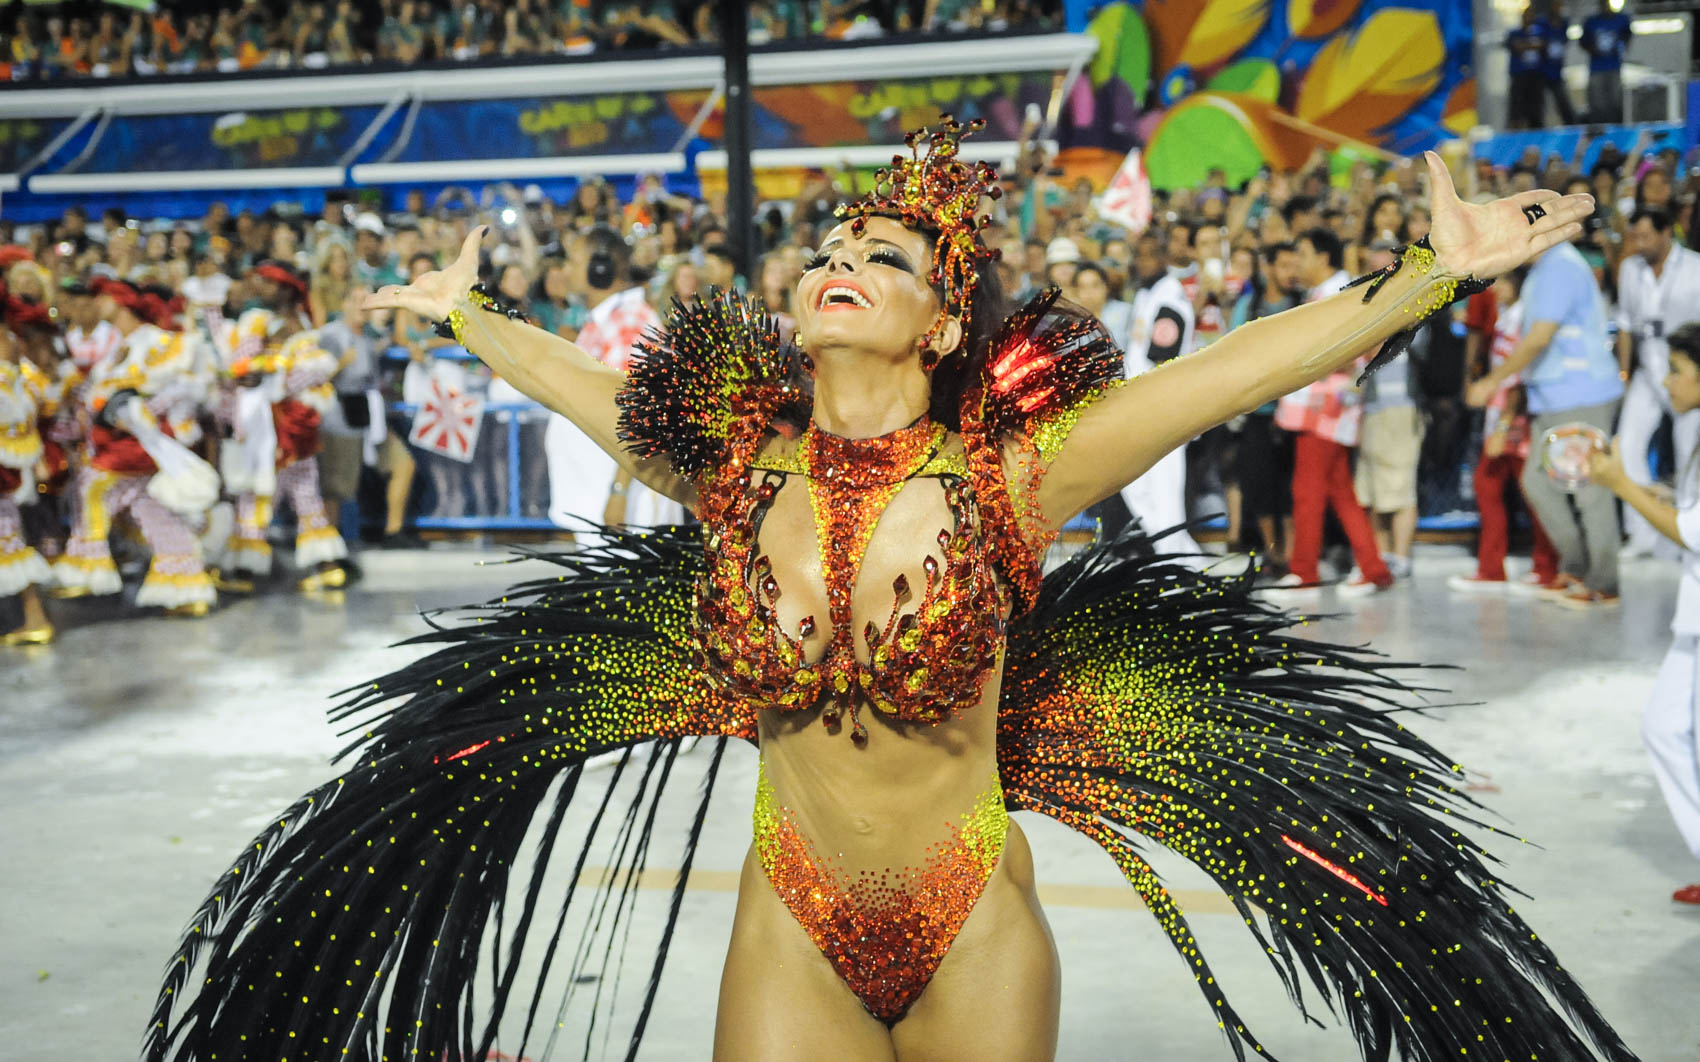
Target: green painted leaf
1124,48
1258,78
1193,139
1106,26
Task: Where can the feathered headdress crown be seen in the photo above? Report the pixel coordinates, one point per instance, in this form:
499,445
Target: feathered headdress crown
936,190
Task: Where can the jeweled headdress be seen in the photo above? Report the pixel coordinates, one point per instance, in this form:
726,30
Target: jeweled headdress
936,190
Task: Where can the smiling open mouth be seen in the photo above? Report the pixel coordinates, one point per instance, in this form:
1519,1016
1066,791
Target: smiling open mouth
843,295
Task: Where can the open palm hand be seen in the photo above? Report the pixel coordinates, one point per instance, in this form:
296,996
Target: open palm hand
434,294
1488,240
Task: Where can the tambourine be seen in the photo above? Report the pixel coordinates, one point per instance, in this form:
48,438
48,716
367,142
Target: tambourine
1565,451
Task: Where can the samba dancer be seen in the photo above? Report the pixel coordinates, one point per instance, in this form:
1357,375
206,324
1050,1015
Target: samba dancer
865,600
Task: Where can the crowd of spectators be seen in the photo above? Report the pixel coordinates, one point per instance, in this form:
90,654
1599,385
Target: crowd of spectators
1239,253
87,39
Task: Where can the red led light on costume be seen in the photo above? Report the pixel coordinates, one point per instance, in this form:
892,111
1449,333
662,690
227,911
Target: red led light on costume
1338,871
1036,400
1016,365
469,750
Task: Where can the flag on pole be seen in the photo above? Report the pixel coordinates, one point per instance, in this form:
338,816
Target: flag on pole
447,421
1127,200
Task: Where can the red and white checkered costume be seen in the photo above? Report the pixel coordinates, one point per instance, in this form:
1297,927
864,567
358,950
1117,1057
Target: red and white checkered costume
615,326
20,449
169,371
281,458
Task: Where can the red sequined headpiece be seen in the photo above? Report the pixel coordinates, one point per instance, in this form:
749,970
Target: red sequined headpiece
937,191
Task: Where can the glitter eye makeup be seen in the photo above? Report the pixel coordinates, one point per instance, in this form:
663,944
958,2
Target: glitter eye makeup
891,257
882,254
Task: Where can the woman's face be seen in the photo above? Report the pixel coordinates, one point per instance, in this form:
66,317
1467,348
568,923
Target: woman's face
1244,263
773,277
182,242
1387,217
158,244
1416,226
1655,188
686,284
1090,291
870,290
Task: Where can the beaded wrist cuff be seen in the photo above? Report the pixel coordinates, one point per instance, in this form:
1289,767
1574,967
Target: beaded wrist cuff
1445,291
454,326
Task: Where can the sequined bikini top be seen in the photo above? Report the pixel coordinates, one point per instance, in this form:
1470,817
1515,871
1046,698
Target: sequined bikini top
711,392
938,644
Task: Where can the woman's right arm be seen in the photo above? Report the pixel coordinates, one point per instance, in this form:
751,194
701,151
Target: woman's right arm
544,367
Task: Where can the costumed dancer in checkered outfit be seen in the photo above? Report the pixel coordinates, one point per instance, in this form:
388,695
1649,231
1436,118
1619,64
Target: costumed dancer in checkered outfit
92,343
278,392
22,569
143,407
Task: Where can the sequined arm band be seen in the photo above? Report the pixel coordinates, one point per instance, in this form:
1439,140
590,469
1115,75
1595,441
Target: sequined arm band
1442,291
457,325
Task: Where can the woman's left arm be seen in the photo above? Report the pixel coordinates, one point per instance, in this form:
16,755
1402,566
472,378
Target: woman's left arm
1119,437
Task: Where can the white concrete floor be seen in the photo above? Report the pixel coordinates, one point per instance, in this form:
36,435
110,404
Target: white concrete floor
138,754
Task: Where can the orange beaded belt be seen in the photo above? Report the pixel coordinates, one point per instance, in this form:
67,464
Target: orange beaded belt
885,931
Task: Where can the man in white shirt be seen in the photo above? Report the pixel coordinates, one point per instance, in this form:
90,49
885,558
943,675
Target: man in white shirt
1658,291
1162,330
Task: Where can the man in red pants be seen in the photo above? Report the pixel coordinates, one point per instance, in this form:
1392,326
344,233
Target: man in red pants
1326,417
1505,447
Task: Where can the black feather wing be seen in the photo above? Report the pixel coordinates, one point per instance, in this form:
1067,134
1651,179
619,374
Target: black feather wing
1145,703
362,919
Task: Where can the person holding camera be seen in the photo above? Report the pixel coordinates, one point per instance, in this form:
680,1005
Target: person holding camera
1658,291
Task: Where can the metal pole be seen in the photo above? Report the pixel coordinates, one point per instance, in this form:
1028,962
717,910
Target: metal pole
740,180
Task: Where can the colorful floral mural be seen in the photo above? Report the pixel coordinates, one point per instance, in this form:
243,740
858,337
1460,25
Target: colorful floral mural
1245,83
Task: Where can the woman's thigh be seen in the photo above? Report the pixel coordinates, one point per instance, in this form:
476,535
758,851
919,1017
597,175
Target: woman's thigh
780,1000
997,993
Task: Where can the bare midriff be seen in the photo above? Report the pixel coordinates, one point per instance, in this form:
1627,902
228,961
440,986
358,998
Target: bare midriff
880,855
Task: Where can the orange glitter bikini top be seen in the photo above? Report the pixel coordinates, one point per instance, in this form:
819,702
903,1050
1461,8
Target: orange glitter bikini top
711,391
932,655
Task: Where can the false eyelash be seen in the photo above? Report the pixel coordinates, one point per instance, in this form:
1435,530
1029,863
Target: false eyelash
891,258
817,261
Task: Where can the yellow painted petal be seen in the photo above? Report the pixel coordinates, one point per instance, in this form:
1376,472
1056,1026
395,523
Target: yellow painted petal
1359,83
1202,34
1312,19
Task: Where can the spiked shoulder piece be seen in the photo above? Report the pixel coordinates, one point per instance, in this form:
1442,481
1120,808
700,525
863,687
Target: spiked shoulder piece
703,391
